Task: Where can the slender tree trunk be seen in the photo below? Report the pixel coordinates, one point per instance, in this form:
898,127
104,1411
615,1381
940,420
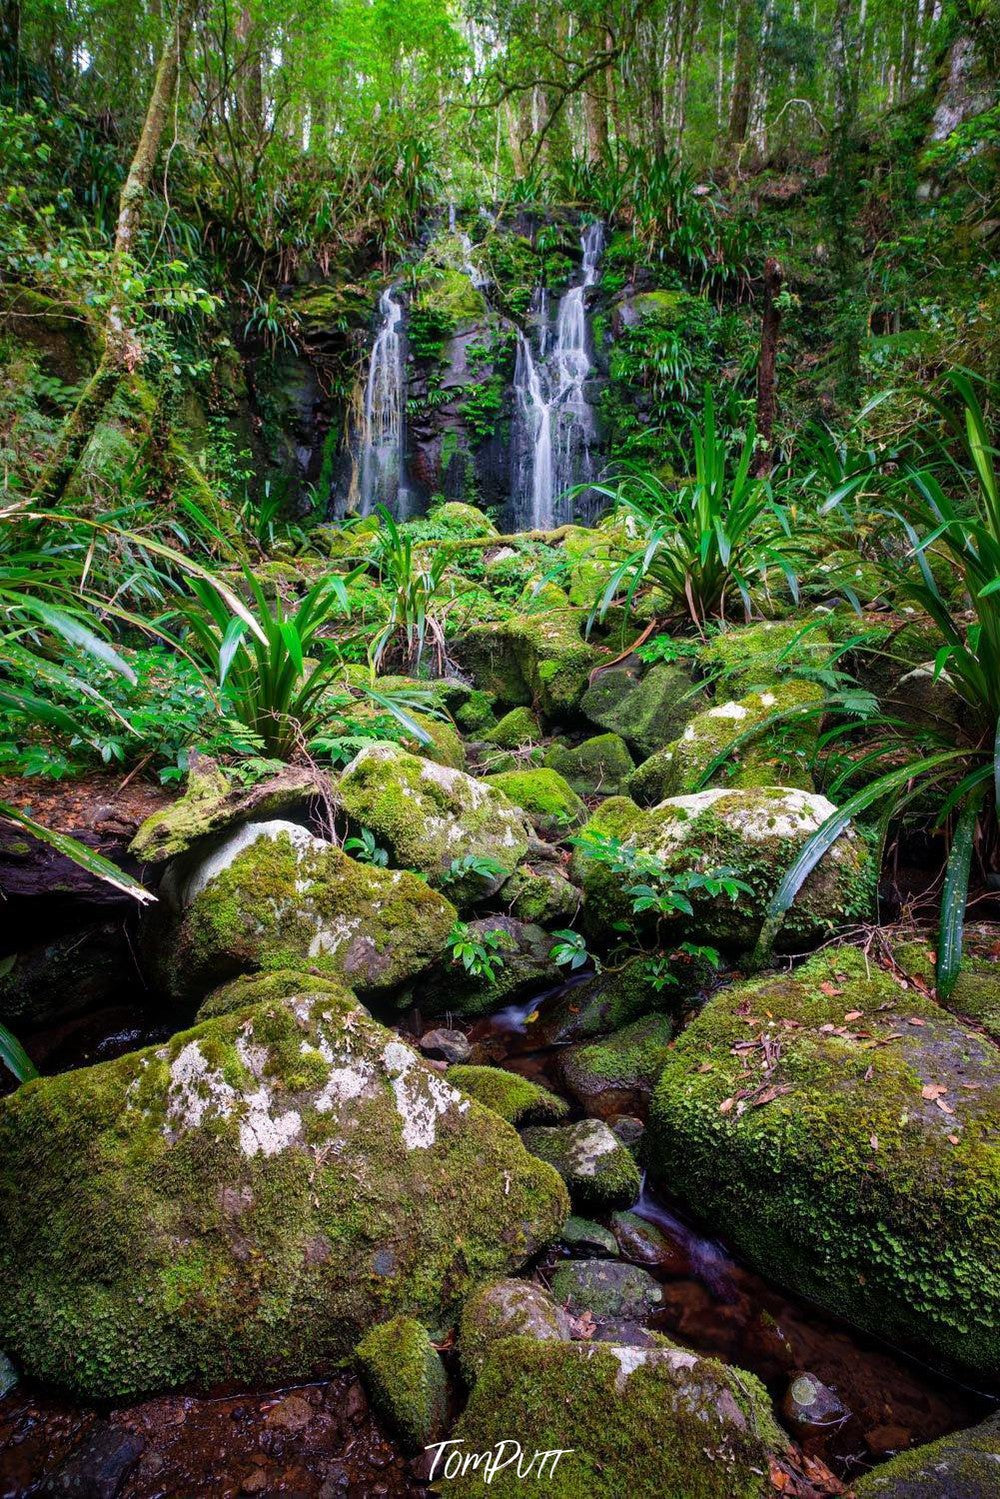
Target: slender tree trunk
767,385
122,348
747,21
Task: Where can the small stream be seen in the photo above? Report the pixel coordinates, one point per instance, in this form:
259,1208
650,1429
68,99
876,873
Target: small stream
321,1439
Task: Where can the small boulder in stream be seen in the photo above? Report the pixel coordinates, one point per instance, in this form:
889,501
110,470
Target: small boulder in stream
503,1309
596,1167
619,1421
405,1379
244,1202
515,1098
964,1465
617,1073
608,1289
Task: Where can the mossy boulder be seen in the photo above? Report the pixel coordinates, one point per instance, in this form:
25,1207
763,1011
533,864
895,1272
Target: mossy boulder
505,1309
519,726
963,1465
596,1167
545,795
647,711
271,896
540,659
609,1289
751,658
405,1379
631,1423
428,816
463,520
777,755
211,804
586,1240
599,766
616,1074
976,993
475,715
539,893
754,832
520,957
490,654
515,1098
847,1148
263,988
602,1004
244,1202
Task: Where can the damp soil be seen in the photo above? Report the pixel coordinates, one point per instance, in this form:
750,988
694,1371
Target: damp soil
321,1440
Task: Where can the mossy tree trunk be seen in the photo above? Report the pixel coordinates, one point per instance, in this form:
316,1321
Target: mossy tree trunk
122,349
767,396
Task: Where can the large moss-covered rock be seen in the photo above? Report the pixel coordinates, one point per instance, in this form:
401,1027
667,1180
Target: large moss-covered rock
649,711
601,1004
540,659
862,1165
462,520
428,816
598,1170
405,1378
616,1074
599,766
545,795
779,757
272,896
539,892
518,727
754,832
965,1465
631,1423
751,658
490,654
244,1202
515,1098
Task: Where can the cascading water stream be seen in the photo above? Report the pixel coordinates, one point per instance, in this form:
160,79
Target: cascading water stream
381,467
555,426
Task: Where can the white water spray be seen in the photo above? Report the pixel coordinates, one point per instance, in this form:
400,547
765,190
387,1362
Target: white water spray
381,477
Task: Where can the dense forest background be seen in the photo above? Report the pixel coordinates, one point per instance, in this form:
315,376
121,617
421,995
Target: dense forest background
302,154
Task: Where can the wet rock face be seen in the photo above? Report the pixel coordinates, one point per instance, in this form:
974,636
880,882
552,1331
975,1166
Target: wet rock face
243,1202
831,1120
967,1463
271,896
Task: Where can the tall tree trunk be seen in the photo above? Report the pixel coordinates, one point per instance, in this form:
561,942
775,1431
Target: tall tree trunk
122,348
767,398
841,199
747,19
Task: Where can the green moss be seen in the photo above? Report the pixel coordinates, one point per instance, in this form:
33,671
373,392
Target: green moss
753,831
545,795
540,893
666,1423
519,726
515,1098
428,816
647,713
405,1379
157,1230
476,713
745,658
539,659
262,988
460,519
277,906
778,756
503,1309
614,1074
963,1464
450,294
601,765
846,1183
208,806
598,1170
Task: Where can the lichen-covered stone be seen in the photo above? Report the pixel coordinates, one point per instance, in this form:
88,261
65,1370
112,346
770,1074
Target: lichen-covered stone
519,726
244,1202
429,816
405,1379
649,711
504,1309
633,1423
515,1098
754,832
541,894
261,988
545,795
587,1240
596,1167
617,1074
521,961
598,767
862,1167
211,804
963,1465
271,896
779,757
606,1288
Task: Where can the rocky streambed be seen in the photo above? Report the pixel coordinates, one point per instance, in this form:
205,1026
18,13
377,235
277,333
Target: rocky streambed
717,1236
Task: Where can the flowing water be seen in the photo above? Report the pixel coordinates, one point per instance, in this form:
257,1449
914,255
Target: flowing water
382,462
554,422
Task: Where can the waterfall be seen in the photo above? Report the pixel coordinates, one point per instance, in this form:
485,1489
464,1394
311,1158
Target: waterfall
554,422
381,478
